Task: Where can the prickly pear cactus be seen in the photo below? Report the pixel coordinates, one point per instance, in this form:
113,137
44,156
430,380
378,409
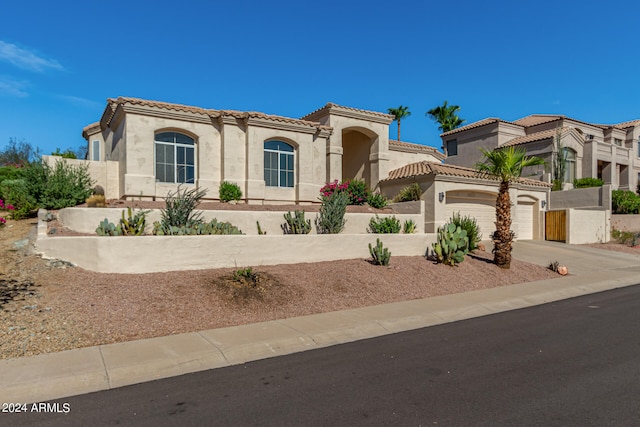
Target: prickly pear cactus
452,244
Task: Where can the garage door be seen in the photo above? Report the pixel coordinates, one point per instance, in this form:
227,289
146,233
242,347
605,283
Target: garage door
524,212
477,205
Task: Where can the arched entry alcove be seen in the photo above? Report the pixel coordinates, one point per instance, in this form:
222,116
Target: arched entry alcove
357,146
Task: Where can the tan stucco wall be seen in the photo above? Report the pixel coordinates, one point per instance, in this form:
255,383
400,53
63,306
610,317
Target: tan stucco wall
86,220
398,159
588,226
145,254
625,222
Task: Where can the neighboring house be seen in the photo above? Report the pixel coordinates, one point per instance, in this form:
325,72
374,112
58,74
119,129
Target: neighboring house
448,189
149,148
608,152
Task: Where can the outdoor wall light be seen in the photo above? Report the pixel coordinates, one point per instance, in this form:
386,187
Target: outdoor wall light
544,203
441,197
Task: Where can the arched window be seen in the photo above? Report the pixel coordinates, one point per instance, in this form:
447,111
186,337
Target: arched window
174,158
570,169
278,164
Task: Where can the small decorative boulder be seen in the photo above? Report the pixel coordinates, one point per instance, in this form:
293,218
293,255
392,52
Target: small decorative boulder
563,270
98,190
481,247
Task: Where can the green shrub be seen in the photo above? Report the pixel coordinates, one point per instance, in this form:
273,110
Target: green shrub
66,154
386,225
15,192
180,210
622,237
409,227
296,224
625,202
377,201
409,193
587,182
244,275
470,225
10,173
330,219
229,191
59,186
379,253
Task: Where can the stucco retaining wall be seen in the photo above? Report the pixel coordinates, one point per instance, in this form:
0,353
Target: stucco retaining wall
588,226
146,254
625,222
86,220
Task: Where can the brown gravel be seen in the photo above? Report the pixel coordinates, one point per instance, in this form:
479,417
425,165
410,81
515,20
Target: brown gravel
68,308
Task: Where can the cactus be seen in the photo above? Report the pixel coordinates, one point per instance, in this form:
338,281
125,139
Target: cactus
379,253
452,244
107,228
195,229
135,225
296,224
409,227
261,232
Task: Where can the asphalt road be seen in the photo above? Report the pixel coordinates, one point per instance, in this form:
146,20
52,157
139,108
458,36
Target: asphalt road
573,362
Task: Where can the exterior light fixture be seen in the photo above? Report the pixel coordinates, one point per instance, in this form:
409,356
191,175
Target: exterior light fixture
441,197
543,203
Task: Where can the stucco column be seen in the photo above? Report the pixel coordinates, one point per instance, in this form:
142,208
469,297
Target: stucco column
254,185
334,157
379,168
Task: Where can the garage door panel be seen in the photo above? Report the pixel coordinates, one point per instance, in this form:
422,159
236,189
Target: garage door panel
524,213
482,209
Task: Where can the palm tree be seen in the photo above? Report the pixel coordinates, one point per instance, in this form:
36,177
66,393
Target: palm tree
399,114
446,115
506,164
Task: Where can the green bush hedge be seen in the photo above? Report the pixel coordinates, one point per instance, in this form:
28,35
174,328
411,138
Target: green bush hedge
625,202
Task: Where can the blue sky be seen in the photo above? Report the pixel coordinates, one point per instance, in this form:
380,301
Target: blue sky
60,61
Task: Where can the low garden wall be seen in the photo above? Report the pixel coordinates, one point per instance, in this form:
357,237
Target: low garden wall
147,254
86,220
588,226
629,222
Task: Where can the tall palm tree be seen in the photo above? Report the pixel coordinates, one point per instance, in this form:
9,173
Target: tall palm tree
399,114
446,115
506,164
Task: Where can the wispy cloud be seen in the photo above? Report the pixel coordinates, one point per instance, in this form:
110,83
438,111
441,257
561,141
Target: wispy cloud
27,59
13,87
79,101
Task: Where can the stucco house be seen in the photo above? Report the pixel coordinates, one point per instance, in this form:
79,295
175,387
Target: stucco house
144,149
608,152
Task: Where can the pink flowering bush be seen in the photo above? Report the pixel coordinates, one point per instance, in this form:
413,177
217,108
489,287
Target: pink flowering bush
4,207
355,189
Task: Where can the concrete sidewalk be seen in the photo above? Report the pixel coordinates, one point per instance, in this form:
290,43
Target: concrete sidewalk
68,373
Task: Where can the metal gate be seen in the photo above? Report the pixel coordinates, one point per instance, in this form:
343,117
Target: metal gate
556,226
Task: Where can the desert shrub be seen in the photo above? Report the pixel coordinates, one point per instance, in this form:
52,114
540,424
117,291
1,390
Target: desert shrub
59,186
330,219
96,201
625,202
18,153
377,201
229,191
386,225
15,192
409,227
66,154
470,225
133,225
587,182
355,189
10,173
623,237
296,224
379,253
199,228
180,210
409,193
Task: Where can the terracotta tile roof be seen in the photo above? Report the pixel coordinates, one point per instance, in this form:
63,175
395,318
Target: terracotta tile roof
342,107
210,112
474,125
93,127
537,136
625,125
433,168
538,119
415,147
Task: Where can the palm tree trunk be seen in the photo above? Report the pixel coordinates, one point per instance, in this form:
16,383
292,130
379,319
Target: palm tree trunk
503,236
399,130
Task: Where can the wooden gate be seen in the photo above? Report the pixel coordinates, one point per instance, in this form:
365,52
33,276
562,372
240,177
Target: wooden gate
556,226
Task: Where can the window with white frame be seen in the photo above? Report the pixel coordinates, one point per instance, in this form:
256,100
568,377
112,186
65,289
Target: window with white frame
174,158
278,164
570,165
95,150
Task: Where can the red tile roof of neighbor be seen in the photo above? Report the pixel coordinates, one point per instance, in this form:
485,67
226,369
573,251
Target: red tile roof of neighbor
432,168
416,147
537,136
474,125
332,105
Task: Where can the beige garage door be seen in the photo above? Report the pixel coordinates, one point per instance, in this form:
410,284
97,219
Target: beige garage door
477,205
524,220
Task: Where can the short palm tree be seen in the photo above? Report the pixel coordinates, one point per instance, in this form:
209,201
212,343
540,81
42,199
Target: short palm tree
506,164
446,115
399,113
